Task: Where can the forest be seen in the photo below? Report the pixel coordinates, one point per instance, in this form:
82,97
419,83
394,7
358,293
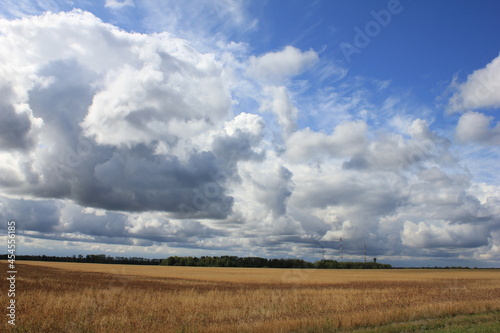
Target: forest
207,261
233,261
90,258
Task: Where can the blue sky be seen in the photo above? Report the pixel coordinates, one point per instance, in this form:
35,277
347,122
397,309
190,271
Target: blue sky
254,128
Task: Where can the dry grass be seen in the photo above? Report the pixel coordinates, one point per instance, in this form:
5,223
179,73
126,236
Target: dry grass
124,298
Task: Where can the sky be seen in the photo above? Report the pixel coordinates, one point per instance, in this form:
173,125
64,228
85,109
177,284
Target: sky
252,128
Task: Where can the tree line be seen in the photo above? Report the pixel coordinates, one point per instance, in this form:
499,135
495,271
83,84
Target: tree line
233,261
206,261
90,258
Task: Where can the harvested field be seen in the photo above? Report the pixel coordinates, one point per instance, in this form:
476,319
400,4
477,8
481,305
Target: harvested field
74,297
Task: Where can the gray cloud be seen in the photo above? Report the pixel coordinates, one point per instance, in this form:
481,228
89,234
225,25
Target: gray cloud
77,158
60,220
16,130
140,140
33,215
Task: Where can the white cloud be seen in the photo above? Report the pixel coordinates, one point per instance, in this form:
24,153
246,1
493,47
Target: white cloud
148,87
485,193
475,127
118,4
245,122
275,67
281,105
57,37
346,139
96,94
481,90
429,236
144,140
178,96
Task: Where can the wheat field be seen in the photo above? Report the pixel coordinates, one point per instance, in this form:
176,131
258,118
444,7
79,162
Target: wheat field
76,297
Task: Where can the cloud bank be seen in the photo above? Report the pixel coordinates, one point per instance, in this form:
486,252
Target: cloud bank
146,140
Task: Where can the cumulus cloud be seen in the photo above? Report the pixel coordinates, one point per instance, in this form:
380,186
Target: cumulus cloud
346,139
65,221
281,65
112,118
476,127
173,92
378,193
33,215
15,128
18,126
480,90
240,140
422,235
418,148
115,137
